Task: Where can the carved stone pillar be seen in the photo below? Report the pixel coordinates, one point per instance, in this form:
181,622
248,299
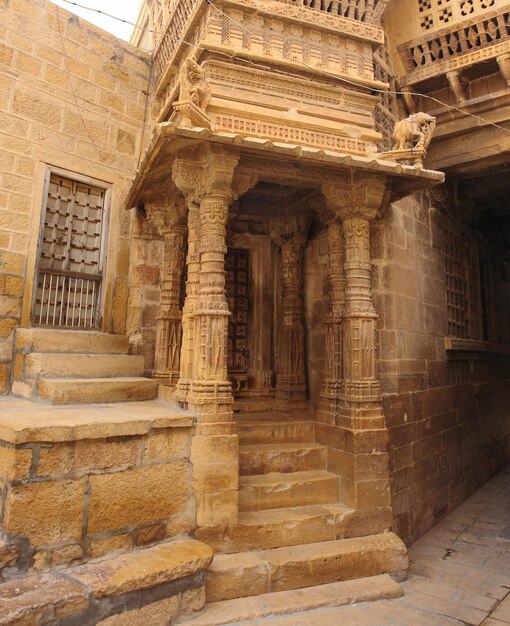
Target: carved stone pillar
328,409
206,178
170,220
190,304
291,377
362,459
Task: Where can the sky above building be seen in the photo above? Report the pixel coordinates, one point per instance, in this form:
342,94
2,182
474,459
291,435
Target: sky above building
124,9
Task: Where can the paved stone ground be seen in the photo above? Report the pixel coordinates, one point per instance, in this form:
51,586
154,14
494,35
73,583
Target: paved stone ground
459,574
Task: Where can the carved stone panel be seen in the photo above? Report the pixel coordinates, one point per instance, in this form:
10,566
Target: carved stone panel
237,289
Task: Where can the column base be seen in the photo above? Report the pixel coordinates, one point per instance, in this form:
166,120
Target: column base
360,458
182,390
291,387
214,453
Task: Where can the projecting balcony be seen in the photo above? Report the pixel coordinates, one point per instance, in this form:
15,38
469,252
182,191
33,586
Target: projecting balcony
187,21
461,46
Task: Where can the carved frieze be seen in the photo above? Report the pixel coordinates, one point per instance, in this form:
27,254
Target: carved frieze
307,15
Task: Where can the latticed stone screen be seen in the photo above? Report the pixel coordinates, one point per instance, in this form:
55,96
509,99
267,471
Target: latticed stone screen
436,14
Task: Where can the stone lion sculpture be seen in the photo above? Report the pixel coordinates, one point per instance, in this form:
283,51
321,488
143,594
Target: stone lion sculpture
414,132
194,85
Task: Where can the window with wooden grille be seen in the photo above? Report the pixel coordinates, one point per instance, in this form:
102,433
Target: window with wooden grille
71,252
468,286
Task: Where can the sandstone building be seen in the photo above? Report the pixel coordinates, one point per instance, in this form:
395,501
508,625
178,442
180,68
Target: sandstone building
283,334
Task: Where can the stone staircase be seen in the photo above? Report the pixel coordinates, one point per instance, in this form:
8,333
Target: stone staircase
293,533
77,367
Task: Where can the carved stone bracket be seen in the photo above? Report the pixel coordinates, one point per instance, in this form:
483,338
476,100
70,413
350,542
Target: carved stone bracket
504,66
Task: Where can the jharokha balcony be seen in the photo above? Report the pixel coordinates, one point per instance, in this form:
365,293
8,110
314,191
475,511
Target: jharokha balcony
456,53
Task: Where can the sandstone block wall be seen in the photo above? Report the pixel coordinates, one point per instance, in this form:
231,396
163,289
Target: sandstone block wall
74,97
65,501
447,413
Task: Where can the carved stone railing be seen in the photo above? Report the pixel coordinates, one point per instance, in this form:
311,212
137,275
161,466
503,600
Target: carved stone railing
469,42
369,11
169,39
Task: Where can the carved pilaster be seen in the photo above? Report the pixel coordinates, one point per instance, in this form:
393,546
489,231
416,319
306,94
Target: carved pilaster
170,221
291,377
356,205
190,304
333,375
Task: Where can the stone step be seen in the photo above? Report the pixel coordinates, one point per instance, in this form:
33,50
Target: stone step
280,569
276,491
231,612
93,390
257,431
83,365
275,528
85,342
281,457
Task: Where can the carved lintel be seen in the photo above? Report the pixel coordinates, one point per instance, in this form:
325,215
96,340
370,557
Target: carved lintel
191,116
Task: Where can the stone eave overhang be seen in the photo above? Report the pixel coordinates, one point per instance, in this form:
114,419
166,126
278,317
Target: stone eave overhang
168,139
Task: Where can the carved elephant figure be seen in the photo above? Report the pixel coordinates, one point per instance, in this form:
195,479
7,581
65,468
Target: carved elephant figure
414,132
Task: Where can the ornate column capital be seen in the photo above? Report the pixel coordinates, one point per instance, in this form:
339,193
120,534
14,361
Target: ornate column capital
360,199
167,216
291,228
208,172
